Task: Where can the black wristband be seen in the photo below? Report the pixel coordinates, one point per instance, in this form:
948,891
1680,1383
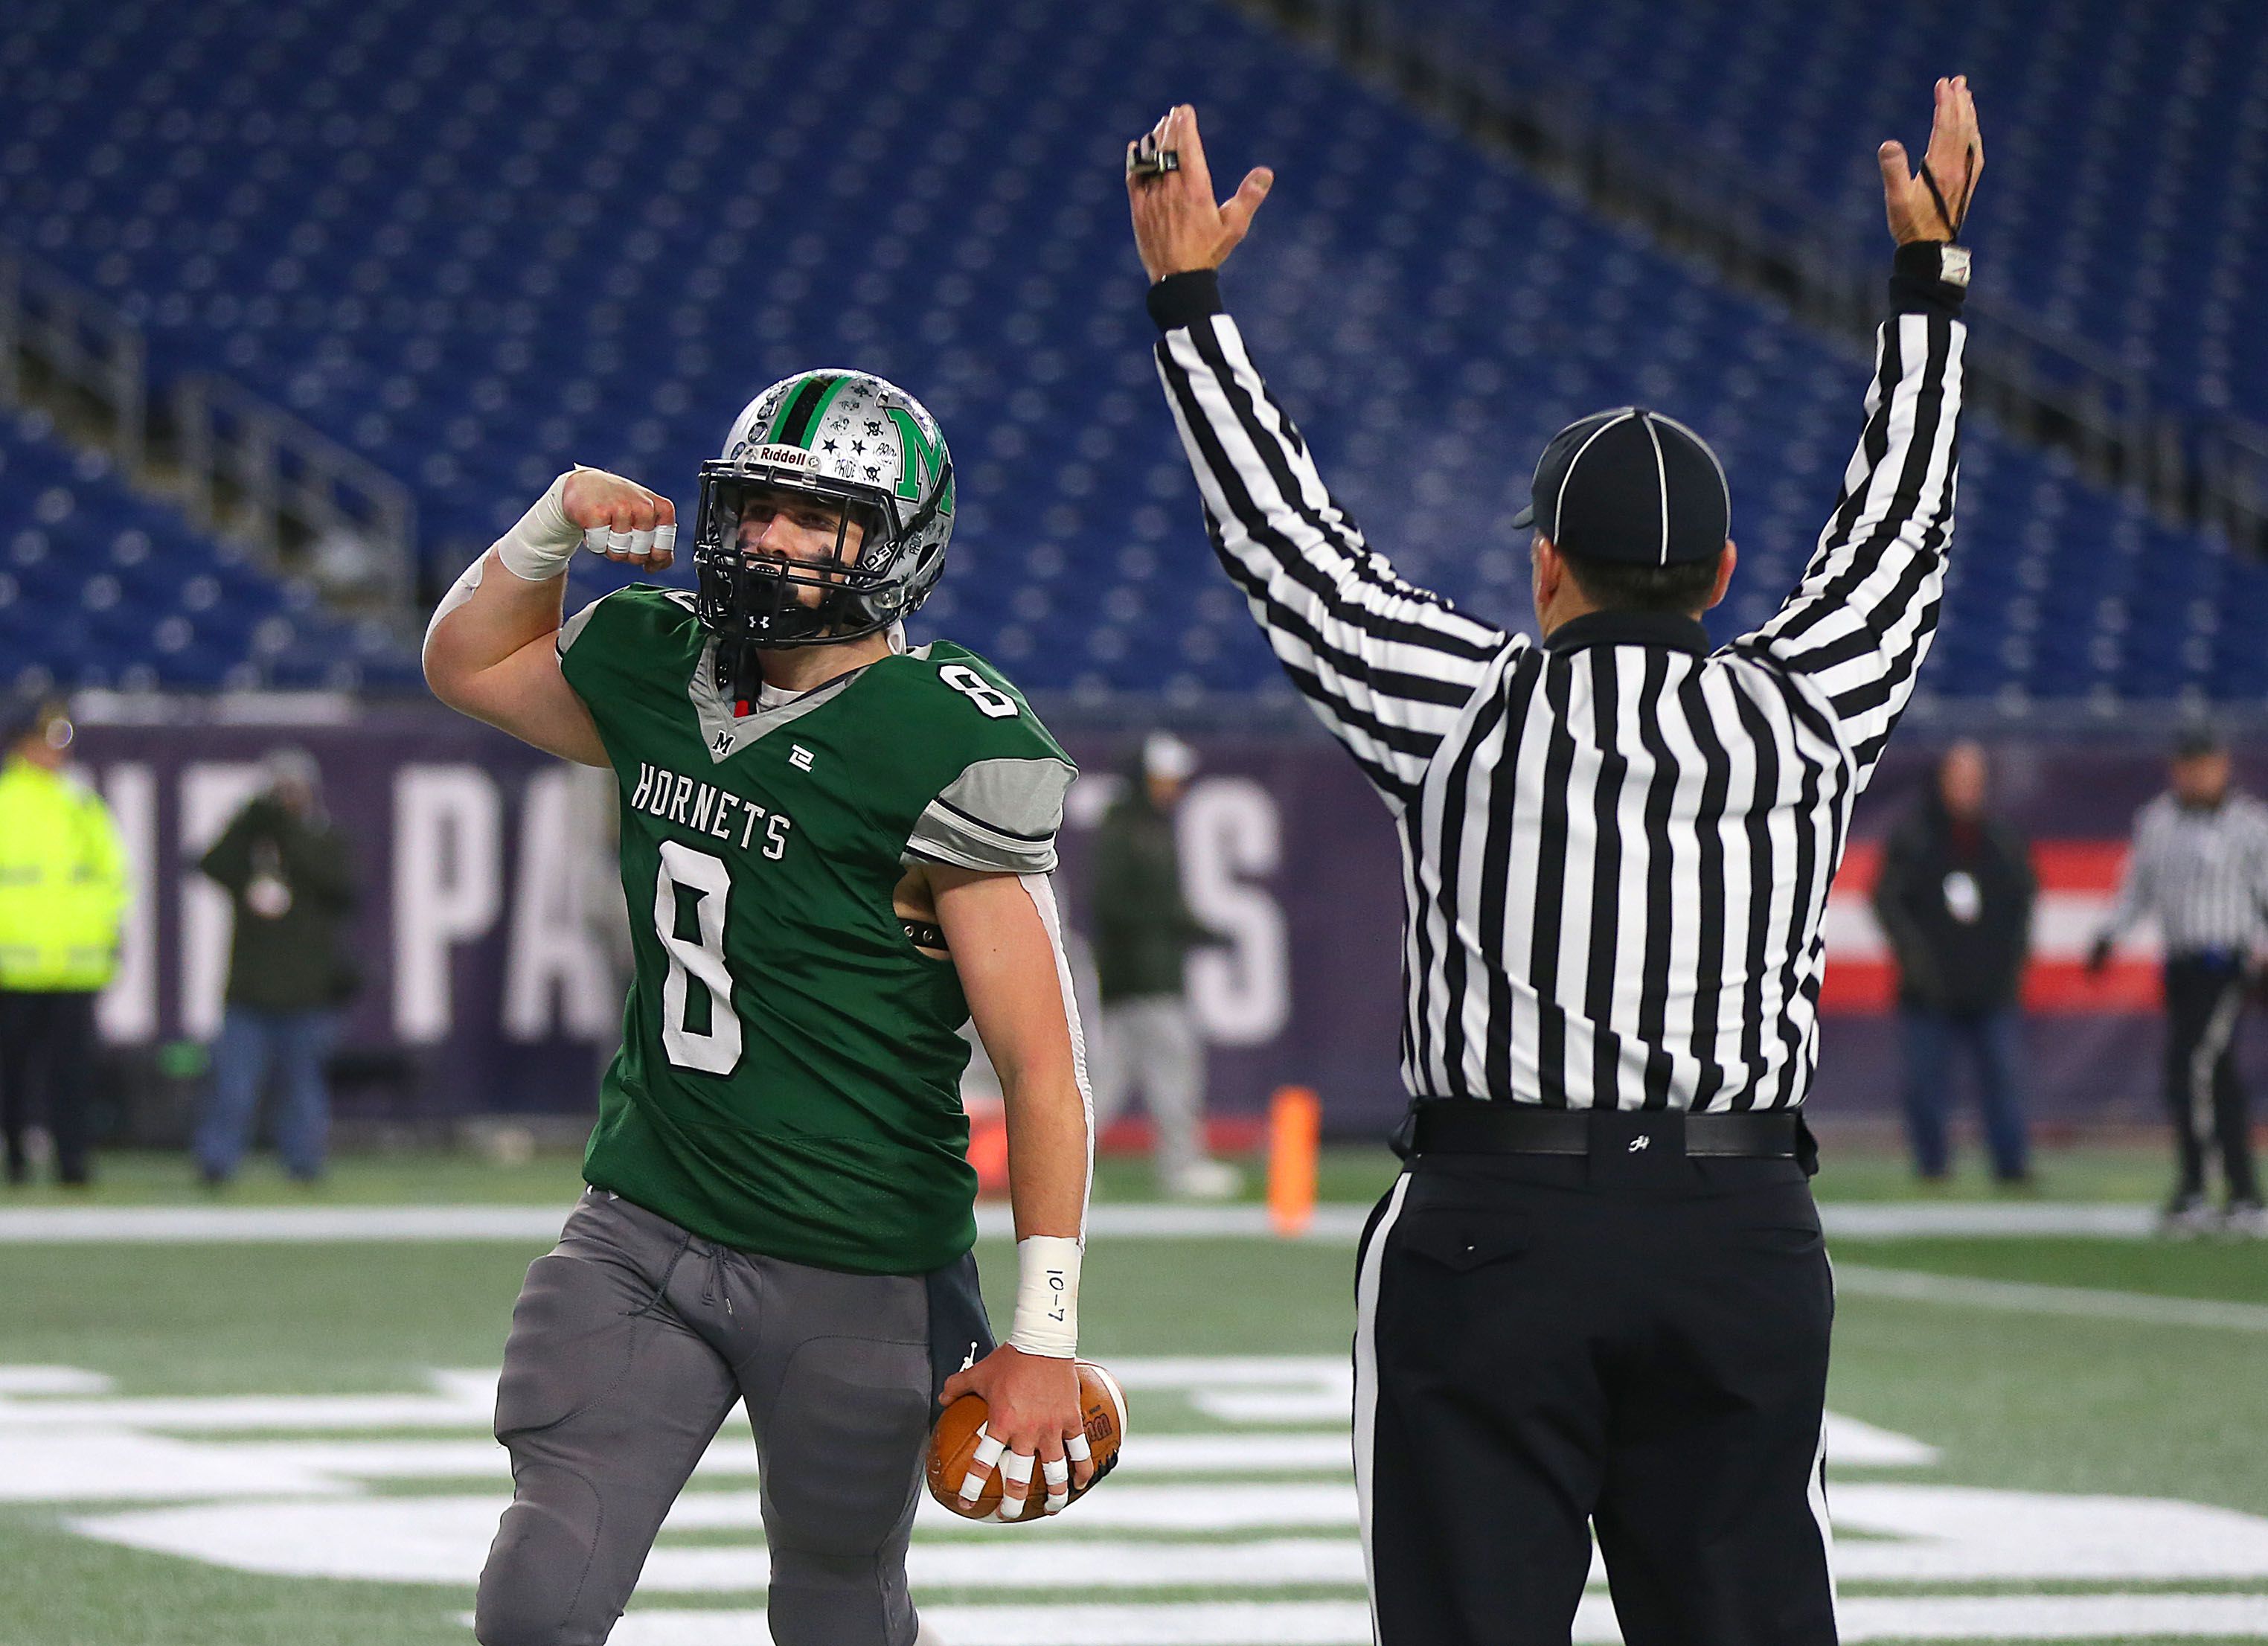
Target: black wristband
1183,300
1915,288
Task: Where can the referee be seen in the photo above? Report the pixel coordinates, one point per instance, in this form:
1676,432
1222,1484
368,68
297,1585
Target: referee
1599,1293
2200,866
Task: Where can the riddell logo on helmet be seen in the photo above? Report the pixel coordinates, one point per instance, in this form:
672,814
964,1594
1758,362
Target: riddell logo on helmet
780,457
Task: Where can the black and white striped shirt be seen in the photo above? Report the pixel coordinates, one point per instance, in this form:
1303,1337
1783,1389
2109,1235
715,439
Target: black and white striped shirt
1617,845
2202,872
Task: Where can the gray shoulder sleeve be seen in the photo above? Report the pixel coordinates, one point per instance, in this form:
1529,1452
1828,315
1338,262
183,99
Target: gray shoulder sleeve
572,630
998,817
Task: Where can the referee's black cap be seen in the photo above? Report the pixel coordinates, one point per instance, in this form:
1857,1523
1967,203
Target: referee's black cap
2197,741
1633,486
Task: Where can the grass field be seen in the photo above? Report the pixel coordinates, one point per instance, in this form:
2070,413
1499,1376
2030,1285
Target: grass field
239,1445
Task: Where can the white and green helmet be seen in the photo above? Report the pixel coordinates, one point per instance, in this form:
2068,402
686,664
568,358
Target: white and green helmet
857,441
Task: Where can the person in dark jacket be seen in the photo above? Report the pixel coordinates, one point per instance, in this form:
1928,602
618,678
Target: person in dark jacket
1955,900
1142,934
287,871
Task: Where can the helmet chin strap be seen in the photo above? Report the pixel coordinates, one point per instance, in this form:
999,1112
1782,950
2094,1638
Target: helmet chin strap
740,668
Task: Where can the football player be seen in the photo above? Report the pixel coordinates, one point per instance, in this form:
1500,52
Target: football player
836,853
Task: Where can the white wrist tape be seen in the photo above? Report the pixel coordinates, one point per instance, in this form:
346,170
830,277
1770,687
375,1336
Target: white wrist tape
1047,1296
540,546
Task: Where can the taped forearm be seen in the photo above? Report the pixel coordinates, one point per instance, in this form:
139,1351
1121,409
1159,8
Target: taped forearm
1047,1295
543,541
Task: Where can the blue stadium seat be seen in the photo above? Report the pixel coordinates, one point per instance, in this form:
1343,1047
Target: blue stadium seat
466,245
2128,143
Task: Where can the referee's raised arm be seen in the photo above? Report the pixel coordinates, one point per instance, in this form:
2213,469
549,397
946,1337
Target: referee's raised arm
1387,666
1861,620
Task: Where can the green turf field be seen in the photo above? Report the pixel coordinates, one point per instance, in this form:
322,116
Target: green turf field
233,1445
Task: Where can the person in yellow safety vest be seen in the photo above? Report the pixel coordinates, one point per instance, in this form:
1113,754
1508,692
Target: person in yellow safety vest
62,897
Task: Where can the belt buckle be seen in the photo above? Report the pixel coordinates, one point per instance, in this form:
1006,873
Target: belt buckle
1637,1144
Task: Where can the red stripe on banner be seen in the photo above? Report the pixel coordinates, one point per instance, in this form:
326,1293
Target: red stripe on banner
2052,986
2080,865
2077,880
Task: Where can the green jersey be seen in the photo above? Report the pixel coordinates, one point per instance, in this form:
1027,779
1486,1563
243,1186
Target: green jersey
789,1078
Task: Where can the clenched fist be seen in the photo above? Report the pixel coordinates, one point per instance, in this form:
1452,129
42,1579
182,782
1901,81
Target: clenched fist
620,519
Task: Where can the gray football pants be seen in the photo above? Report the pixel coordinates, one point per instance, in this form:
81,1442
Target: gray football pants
630,1342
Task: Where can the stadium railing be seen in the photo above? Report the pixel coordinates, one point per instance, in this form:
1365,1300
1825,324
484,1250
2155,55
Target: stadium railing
244,467
262,473
51,325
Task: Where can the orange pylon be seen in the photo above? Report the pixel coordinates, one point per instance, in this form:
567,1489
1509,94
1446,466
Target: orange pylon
1294,1128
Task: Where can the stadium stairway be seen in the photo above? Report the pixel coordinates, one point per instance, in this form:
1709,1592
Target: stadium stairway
466,245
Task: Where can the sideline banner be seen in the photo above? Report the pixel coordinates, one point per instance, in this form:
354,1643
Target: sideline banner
489,935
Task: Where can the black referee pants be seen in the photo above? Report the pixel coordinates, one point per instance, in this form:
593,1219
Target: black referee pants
1547,1345
2204,1000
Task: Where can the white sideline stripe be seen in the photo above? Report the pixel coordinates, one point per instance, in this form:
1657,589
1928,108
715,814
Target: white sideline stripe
1862,1220
2028,1297
1333,1225
2113,1617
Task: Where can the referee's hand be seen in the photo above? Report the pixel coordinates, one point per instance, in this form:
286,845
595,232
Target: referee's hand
1177,227
1955,160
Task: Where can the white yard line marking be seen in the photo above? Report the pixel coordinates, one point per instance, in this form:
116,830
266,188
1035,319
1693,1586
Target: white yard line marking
1203,1623
2112,1617
193,1413
2052,1618
1336,1225
1060,1563
1943,1534
1251,1390
1915,1535
97,1465
445,1540
51,1380
1853,1444
2027,1297
735,1455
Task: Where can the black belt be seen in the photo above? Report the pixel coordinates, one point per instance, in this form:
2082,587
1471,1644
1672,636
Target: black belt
1463,1126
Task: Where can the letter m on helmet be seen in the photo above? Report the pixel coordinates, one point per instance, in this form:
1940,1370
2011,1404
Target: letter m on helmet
920,460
